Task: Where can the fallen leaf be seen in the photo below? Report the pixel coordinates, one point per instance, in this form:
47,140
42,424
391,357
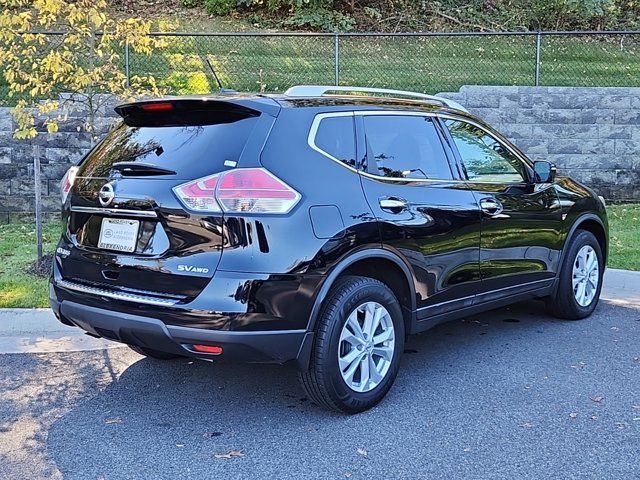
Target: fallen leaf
229,455
573,415
362,452
109,421
481,323
597,399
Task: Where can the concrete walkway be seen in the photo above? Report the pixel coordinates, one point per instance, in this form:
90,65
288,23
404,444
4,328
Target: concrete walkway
36,330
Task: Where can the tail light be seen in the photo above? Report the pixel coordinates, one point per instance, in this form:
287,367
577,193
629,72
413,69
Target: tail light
67,182
249,190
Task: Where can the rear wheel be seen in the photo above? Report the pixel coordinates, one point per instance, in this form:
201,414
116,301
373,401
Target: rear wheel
148,352
357,348
580,280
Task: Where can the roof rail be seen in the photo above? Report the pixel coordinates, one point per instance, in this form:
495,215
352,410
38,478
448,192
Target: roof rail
321,90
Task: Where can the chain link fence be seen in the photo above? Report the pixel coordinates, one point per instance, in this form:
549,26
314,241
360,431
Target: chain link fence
423,62
427,63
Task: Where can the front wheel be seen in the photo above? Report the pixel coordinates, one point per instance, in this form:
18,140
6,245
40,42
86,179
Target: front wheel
357,348
580,280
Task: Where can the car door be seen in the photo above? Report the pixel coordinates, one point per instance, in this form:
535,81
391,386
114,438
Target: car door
521,221
424,211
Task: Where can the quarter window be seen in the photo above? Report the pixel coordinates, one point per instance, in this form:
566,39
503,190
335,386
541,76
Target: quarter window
405,147
336,137
485,159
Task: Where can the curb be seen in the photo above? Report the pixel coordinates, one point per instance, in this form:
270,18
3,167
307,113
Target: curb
36,330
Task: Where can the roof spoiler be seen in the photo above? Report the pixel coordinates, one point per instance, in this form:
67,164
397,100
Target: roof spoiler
177,111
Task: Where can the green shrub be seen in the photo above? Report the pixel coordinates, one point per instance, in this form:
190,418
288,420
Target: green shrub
321,19
219,7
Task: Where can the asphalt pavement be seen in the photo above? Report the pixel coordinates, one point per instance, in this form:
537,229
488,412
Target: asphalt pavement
512,393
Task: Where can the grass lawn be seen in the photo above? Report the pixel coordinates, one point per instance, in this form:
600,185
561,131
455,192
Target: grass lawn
424,64
18,251
624,231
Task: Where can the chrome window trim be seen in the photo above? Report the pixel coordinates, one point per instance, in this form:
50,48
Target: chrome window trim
127,297
311,138
115,211
320,116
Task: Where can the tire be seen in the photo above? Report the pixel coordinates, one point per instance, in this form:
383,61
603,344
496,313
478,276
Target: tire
156,354
565,303
355,298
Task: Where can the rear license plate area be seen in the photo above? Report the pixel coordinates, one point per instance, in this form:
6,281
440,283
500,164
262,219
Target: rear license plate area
119,234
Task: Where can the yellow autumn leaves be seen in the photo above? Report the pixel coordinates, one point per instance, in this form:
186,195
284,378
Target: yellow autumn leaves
83,57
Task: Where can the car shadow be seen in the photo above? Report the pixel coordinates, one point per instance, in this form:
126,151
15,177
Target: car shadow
176,416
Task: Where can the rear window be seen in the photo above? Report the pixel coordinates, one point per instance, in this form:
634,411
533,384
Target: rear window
190,151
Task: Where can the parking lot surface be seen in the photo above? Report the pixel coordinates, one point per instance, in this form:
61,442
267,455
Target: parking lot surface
512,393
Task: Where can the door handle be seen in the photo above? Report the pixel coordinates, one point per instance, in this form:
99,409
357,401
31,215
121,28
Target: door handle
393,204
491,206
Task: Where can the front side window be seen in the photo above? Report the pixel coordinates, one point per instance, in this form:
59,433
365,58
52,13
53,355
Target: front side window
336,137
485,158
405,147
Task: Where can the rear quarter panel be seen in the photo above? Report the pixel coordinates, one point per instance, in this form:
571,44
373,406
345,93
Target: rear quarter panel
285,254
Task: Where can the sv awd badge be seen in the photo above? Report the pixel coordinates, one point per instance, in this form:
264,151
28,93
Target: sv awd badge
192,269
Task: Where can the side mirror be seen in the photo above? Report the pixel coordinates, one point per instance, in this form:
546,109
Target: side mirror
544,172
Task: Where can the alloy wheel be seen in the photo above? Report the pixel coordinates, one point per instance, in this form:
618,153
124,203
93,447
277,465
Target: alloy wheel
366,346
585,276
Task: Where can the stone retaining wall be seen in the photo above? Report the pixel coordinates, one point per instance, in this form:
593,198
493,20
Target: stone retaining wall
593,134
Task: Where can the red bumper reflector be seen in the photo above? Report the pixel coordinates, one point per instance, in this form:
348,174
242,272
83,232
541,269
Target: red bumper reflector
211,349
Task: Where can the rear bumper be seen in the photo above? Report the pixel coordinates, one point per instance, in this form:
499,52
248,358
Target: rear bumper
280,346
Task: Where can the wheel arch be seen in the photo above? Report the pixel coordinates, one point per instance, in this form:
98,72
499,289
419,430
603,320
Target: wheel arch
378,263
591,223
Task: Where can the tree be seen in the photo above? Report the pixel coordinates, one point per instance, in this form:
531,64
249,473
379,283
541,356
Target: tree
84,59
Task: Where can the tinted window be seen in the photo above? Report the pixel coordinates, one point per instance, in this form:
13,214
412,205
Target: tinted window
336,137
405,147
190,151
484,157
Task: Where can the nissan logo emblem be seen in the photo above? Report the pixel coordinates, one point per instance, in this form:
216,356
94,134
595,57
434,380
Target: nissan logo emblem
106,194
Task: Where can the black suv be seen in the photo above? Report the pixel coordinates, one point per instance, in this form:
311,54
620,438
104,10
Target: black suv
317,228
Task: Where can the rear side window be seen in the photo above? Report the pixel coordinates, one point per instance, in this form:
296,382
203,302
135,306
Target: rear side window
405,147
190,151
336,137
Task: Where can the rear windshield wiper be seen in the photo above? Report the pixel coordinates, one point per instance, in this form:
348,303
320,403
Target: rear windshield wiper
140,169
